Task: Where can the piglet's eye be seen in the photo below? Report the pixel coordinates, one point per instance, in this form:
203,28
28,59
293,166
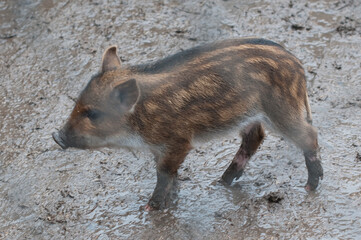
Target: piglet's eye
92,114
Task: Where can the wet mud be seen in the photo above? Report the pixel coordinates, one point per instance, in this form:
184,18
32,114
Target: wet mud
50,49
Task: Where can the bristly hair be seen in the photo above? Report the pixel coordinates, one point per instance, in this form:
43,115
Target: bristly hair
168,63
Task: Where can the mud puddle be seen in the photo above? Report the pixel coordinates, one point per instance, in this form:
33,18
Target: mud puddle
50,49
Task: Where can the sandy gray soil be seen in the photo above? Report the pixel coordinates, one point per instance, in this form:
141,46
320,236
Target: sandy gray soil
50,48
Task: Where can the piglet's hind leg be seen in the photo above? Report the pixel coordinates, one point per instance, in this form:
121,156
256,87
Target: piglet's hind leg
305,136
314,168
252,137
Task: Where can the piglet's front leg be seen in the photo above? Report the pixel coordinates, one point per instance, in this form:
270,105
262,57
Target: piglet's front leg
167,168
161,196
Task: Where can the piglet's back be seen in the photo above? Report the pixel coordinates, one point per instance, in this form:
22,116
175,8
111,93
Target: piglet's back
210,88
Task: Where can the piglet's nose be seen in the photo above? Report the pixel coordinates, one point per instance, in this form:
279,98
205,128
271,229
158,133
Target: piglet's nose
57,136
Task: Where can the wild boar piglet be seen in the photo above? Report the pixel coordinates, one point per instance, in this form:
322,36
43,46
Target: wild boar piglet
203,92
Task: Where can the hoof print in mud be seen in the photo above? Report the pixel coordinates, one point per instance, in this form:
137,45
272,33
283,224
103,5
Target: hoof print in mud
274,197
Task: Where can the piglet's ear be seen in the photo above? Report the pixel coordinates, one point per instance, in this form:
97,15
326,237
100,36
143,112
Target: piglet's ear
110,60
126,95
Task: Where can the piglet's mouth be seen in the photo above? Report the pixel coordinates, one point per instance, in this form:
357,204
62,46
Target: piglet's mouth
59,140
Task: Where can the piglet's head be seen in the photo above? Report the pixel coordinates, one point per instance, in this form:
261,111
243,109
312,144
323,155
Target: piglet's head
100,115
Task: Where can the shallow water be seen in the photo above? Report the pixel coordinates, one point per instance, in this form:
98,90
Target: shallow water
50,49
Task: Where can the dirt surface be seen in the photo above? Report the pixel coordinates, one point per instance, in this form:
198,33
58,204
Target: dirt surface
51,48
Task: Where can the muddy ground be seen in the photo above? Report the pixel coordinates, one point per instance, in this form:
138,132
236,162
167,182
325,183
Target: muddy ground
49,49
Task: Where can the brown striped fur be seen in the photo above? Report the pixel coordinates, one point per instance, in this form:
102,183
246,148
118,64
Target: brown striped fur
168,105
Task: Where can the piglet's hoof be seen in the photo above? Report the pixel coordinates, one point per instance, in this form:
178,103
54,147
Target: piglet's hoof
148,208
155,204
312,185
310,188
